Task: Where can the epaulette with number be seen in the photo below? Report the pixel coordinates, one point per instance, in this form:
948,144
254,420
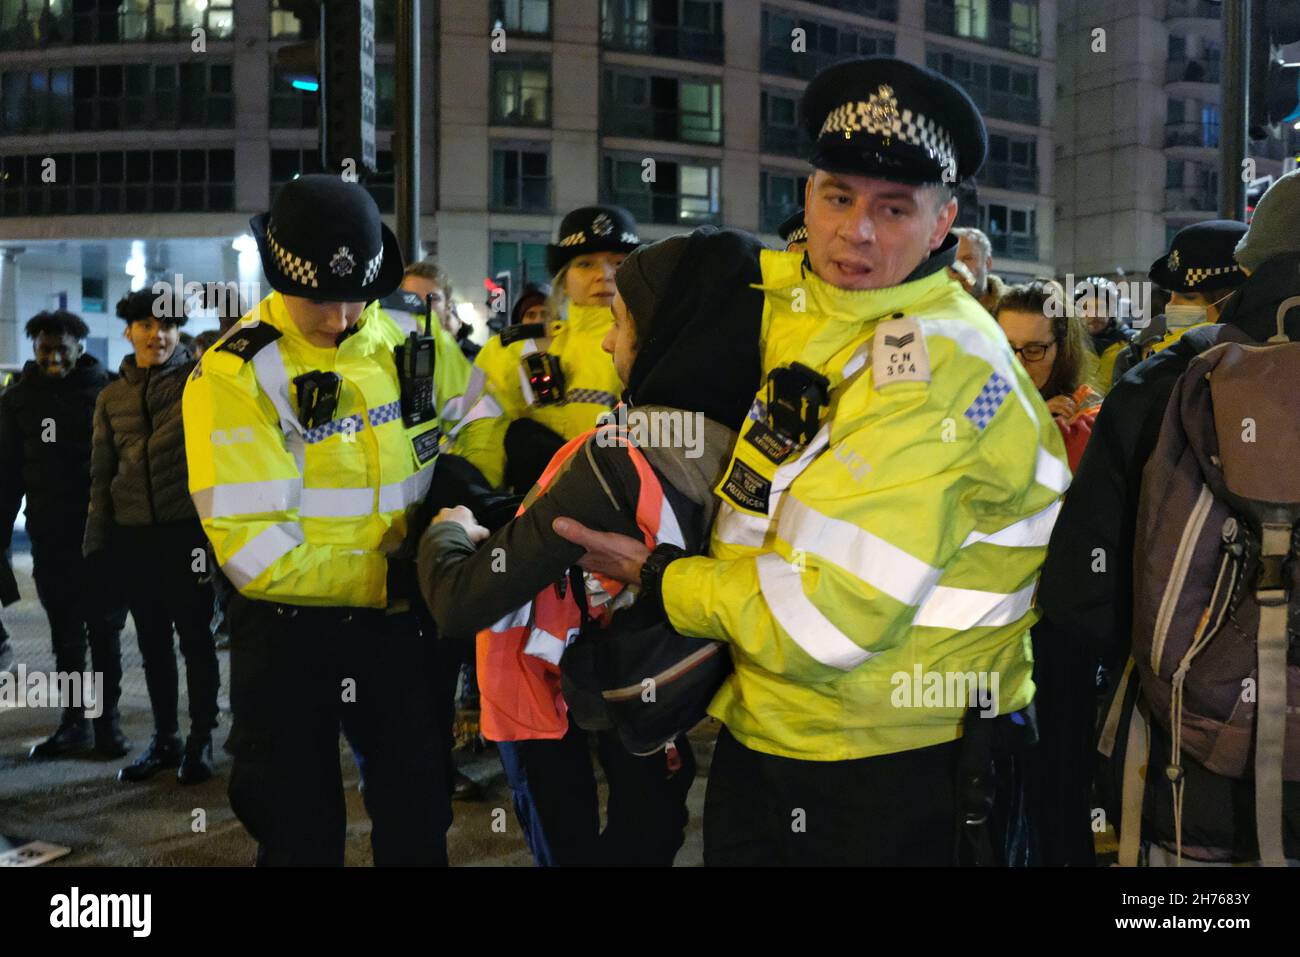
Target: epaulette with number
248,341
524,330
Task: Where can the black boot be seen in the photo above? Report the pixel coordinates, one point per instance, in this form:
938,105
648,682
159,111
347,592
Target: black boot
196,766
72,737
110,742
164,751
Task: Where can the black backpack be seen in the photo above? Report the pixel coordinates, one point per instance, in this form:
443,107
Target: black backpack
638,676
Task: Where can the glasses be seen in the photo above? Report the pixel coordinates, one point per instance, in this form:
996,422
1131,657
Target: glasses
1032,351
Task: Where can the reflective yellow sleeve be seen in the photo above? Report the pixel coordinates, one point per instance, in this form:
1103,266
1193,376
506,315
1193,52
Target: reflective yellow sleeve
247,489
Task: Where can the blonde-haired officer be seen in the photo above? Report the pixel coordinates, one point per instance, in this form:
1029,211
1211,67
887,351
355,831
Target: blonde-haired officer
552,379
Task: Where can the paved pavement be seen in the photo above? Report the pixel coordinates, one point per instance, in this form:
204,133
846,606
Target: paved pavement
80,804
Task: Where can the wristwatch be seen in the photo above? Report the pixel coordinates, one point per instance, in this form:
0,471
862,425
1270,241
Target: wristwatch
652,572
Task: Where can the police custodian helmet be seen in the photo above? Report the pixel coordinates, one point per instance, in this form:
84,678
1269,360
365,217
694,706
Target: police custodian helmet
1201,256
888,118
323,240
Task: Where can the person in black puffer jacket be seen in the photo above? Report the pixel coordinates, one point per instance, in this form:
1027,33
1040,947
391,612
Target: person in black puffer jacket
142,516
45,430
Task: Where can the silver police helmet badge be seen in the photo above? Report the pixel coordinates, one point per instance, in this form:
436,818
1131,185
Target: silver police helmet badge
1173,261
601,225
343,262
882,111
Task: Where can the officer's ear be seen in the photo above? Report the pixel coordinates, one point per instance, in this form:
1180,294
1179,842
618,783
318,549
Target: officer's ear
947,216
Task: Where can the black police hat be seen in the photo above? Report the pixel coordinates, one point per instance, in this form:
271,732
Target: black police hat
323,239
885,117
1201,257
793,229
592,229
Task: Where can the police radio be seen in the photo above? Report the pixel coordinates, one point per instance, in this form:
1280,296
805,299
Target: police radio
795,397
415,364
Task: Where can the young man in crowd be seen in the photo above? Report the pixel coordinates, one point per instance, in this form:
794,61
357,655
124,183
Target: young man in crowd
45,441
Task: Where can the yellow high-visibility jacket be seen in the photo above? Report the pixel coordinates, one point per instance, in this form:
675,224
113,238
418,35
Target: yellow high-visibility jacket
591,386
298,516
467,409
898,550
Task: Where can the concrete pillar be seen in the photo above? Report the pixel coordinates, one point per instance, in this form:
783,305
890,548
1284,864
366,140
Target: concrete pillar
9,320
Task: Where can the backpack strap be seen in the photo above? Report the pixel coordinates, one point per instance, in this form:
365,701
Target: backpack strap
1137,754
1273,598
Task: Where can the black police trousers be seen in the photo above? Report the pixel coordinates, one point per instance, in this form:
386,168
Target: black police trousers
298,675
84,608
895,810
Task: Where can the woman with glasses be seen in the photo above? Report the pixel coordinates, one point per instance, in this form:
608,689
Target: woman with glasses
1050,342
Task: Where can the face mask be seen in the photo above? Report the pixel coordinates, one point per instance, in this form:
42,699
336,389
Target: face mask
1180,317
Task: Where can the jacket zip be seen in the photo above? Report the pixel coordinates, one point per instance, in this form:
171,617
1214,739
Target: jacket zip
148,469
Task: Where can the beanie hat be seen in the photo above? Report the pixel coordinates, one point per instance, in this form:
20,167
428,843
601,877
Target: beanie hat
1273,228
701,352
534,294
643,277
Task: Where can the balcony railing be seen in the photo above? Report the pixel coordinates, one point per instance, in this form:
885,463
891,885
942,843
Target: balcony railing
1192,8
1005,106
1182,199
771,216
686,43
1203,135
1271,148
669,209
880,9
1014,246
783,60
532,194
660,124
113,26
785,140
1185,70
948,19
1006,175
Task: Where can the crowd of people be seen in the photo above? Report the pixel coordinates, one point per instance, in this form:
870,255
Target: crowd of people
858,488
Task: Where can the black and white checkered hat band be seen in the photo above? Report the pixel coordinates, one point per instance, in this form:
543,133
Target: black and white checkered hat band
372,268
580,237
904,125
797,235
302,271
1195,274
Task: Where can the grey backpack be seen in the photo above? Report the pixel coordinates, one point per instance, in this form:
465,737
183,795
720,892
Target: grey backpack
1216,581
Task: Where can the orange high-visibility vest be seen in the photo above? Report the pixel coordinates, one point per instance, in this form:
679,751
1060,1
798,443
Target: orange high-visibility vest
518,657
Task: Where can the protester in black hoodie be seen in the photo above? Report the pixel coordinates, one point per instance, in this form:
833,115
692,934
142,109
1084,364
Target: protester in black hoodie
45,433
141,514
1087,613
682,344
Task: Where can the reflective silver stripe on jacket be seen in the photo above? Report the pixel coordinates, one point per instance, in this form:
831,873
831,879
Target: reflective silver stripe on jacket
782,587
961,609
261,552
398,495
248,498
869,558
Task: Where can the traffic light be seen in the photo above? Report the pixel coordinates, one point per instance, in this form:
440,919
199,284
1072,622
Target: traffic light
335,61
1274,84
300,62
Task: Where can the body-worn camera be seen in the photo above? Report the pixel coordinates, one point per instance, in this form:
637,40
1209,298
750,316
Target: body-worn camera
318,397
795,397
545,378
